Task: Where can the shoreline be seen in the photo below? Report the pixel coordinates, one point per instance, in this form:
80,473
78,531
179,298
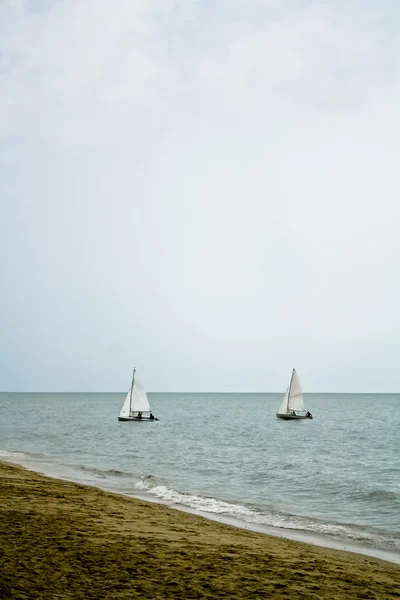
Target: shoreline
68,540
296,535
303,537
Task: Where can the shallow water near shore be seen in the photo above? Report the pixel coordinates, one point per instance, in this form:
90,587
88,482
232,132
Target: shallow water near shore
336,477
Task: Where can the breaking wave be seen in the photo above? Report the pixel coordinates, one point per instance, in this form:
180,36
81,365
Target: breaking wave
267,517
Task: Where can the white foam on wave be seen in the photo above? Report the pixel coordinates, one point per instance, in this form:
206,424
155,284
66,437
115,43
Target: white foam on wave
267,518
200,503
26,459
45,465
258,519
289,526
9,455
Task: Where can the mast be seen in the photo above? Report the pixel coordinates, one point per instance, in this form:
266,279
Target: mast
130,400
290,387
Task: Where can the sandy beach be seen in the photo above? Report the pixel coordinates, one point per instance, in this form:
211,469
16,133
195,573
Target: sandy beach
64,540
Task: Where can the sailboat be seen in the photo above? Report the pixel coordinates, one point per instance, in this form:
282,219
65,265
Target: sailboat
292,406
136,406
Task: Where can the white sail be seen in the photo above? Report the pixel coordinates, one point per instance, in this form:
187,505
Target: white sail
139,401
126,405
139,398
296,401
284,406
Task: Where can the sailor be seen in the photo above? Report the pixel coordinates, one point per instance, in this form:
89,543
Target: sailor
151,417
139,415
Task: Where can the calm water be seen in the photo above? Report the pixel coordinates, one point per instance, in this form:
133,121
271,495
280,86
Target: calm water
227,454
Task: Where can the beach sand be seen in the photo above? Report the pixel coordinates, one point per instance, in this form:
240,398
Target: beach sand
62,540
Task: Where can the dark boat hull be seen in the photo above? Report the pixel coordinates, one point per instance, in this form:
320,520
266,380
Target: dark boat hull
136,419
289,417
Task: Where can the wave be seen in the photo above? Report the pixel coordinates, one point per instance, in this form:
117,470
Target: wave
376,495
149,484
267,517
104,473
384,495
10,454
36,459
261,518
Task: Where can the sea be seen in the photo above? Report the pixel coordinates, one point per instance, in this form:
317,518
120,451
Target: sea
332,481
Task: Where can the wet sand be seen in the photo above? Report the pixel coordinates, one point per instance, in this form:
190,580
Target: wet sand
61,540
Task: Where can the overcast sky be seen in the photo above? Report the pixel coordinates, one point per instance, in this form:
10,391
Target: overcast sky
207,190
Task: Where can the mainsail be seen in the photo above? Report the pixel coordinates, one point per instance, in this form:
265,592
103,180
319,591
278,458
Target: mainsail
140,401
296,401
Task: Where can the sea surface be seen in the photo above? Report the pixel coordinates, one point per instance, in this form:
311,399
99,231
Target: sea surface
335,478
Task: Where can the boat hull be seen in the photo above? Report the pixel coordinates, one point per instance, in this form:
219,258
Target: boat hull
136,419
289,417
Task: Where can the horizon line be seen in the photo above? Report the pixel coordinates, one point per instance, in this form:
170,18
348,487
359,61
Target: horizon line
177,392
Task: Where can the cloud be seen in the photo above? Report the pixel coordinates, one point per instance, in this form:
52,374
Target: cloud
199,184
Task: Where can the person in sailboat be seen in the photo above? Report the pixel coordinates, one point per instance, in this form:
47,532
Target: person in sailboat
151,417
308,415
139,416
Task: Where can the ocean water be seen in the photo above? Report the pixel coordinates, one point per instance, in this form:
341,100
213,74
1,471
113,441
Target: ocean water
229,457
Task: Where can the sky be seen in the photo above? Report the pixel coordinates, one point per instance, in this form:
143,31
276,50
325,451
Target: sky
206,190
